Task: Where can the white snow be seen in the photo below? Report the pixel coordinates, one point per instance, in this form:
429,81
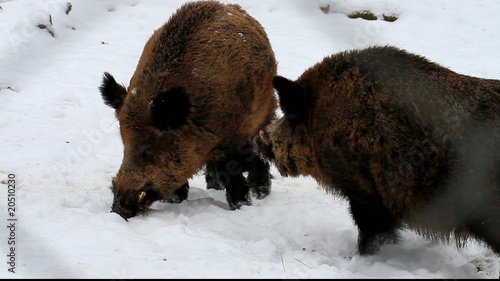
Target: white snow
62,144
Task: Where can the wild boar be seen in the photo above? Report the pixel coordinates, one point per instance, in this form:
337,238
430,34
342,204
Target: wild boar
202,88
407,142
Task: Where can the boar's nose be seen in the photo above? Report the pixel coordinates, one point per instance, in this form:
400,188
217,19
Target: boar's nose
120,205
125,214
264,137
130,209
127,205
262,145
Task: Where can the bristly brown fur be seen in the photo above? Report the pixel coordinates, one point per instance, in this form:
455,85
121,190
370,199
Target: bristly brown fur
202,88
405,140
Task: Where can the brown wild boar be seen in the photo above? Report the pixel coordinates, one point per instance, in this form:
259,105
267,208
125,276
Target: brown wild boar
201,90
406,141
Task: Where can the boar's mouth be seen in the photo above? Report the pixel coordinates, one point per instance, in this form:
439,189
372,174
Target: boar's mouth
125,214
263,146
131,203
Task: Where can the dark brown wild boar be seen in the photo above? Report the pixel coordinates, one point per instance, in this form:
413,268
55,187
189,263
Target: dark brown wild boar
406,141
202,88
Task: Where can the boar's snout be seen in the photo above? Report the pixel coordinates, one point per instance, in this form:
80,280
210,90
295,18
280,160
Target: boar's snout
124,213
264,137
129,203
262,145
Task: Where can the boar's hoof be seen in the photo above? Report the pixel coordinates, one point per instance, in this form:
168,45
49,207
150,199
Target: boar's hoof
175,199
371,245
236,205
180,195
261,192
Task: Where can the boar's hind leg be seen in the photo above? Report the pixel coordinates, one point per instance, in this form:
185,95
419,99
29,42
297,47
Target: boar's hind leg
487,228
211,176
259,177
375,223
180,194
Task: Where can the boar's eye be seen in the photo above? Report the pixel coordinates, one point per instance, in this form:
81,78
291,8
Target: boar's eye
146,154
146,151
170,109
113,186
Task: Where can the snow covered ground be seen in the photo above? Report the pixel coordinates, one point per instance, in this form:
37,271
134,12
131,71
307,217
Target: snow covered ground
60,146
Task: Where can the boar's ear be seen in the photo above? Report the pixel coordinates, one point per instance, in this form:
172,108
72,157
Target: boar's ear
112,93
170,109
291,98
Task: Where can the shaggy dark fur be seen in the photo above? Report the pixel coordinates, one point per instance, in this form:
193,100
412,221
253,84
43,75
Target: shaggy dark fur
406,141
201,90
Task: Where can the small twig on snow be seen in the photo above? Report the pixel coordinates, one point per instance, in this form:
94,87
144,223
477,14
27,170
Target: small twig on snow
68,7
325,9
283,262
49,28
303,263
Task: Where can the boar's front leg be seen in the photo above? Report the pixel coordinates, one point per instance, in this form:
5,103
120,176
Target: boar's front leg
180,194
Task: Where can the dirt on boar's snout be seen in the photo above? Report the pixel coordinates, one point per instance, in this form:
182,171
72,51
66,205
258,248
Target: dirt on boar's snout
406,141
201,90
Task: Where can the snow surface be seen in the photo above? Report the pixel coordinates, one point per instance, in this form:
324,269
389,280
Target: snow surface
63,146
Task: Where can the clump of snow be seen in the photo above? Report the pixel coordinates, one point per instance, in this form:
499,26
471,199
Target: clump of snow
348,7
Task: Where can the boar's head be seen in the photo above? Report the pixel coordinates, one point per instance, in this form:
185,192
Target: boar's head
161,145
284,141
